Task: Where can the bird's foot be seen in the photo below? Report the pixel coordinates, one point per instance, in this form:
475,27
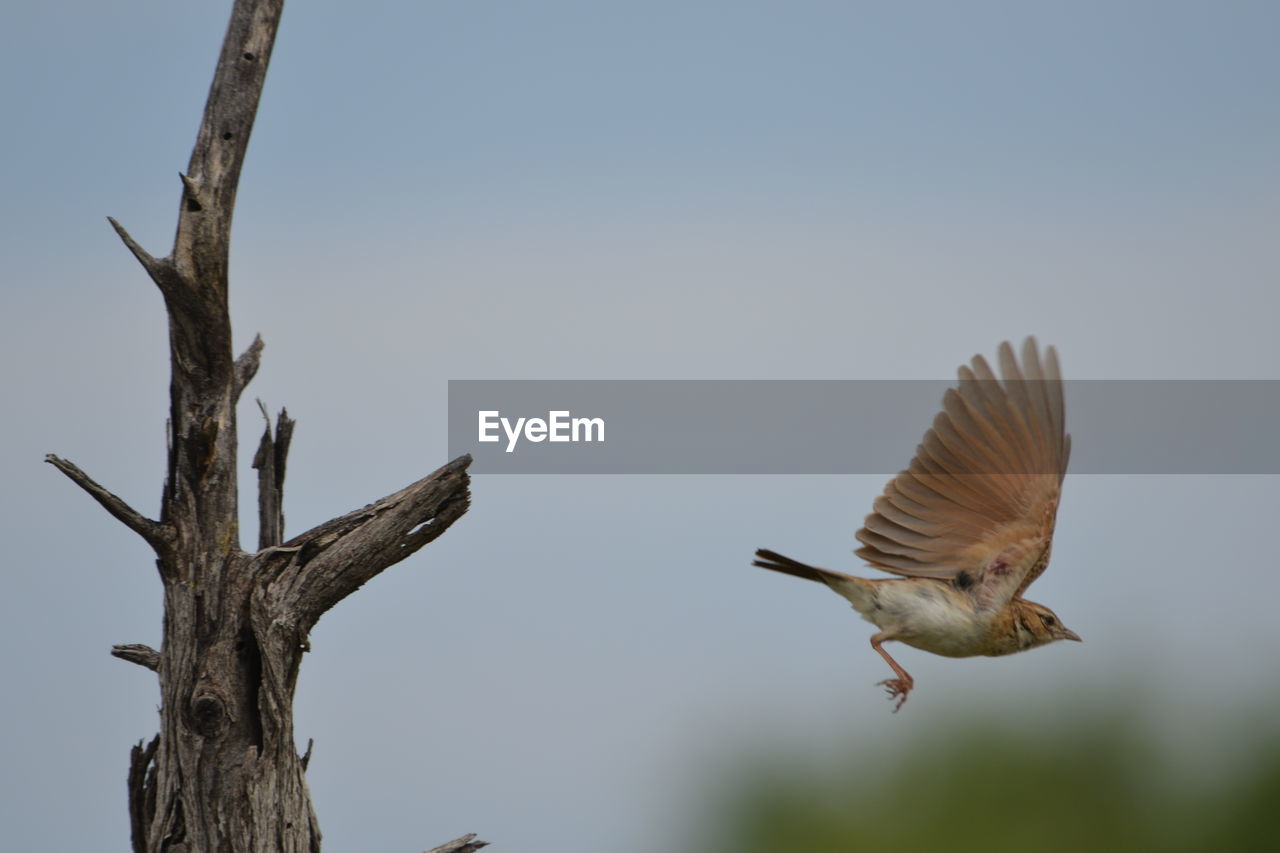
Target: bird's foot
898,688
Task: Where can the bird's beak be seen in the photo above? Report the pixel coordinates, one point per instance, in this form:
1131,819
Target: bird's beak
1067,634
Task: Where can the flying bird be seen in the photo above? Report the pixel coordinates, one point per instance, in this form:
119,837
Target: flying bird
969,525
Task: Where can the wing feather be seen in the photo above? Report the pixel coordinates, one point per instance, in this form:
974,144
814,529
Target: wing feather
935,506
982,492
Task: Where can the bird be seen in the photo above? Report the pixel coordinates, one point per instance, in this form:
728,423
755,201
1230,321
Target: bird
968,526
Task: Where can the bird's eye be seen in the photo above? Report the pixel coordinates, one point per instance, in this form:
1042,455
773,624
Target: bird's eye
1050,621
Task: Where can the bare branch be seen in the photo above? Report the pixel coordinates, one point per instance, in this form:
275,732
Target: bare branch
142,792
144,257
160,269
305,760
213,174
246,367
157,535
270,464
139,654
195,197
465,844
341,555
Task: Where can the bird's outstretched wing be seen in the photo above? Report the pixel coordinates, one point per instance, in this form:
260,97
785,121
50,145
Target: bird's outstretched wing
977,504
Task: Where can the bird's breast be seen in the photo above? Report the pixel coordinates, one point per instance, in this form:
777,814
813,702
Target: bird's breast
929,615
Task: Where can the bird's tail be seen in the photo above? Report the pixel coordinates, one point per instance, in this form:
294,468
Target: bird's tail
859,591
774,561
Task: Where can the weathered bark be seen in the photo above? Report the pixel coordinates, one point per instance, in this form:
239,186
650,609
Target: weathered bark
270,463
224,773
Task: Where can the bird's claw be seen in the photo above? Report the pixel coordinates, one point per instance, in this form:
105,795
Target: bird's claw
897,688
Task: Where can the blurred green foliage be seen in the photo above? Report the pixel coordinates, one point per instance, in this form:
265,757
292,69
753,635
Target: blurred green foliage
1086,785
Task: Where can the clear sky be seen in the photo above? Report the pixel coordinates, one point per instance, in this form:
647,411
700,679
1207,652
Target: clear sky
745,190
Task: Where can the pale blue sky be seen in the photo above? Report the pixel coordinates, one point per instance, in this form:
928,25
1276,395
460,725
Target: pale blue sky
595,190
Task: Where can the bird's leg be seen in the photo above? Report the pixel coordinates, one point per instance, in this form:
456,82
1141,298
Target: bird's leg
899,687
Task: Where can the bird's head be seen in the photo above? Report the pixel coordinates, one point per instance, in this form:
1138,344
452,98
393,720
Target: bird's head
1037,625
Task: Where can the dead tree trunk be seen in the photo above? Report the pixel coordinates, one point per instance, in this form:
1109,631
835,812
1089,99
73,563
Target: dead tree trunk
224,773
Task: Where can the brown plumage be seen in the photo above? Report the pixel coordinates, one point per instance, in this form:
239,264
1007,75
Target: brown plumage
968,526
